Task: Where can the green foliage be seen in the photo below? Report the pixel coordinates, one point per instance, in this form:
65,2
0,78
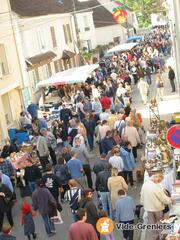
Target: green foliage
143,9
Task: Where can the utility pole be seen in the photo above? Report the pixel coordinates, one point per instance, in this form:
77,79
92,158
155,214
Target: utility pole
77,33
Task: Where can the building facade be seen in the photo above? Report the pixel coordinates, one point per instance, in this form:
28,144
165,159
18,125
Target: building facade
47,46
10,74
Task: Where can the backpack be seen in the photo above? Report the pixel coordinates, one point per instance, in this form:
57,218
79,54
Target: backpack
74,202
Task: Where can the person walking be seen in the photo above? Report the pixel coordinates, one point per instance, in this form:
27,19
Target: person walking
108,142
83,155
101,164
76,170
125,208
73,196
6,181
128,161
160,87
61,171
41,200
32,174
102,188
88,204
81,230
90,125
116,161
5,204
154,200
27,221
53,184
131,134
143,88
51,143
115,183
171,76
43,151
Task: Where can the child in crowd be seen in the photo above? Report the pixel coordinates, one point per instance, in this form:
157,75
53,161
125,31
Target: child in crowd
6,233
28,222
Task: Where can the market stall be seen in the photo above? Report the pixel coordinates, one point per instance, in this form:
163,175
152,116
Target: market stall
70,76
122,47
161,157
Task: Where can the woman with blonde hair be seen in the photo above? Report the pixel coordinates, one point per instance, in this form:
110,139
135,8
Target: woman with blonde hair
160,87
115,183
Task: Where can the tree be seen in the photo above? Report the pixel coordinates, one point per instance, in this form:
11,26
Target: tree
143,9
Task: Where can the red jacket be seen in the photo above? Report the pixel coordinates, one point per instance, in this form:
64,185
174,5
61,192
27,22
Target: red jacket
105,102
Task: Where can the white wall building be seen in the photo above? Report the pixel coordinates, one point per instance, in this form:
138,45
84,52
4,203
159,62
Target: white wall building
86,28
46,45
10,74
173,9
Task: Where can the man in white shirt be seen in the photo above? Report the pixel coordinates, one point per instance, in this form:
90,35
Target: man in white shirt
154,200
104,115
143,88
132,135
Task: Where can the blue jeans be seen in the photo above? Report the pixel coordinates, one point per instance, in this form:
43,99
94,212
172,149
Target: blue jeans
75,217
148,78
90,138
32,186
106,203
49,225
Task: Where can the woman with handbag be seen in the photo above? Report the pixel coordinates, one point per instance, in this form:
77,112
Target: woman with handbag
160,87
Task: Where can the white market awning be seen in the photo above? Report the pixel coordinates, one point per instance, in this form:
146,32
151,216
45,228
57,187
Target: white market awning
122,47
70,76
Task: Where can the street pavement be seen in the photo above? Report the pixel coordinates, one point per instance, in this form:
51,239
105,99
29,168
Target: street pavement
170,104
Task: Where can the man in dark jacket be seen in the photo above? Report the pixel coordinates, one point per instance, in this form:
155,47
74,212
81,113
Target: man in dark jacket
32,174
65,115
107,143
171,76
87,203
53,184
101,164
101,186
5,204
90,125
41,200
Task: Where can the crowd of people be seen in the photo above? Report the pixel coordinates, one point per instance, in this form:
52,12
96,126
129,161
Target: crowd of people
97,113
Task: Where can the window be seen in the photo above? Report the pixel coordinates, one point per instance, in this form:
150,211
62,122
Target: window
89,45
86,23
7,109
35,75
56,66
67,33
3,61
41,40
53,37
49,70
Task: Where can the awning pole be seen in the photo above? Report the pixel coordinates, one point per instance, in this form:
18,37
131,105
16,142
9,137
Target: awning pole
43,97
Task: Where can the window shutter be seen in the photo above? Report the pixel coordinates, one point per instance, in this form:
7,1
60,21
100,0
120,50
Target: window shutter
53,37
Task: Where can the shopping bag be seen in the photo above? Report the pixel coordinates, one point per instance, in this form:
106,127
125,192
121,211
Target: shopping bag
57,219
